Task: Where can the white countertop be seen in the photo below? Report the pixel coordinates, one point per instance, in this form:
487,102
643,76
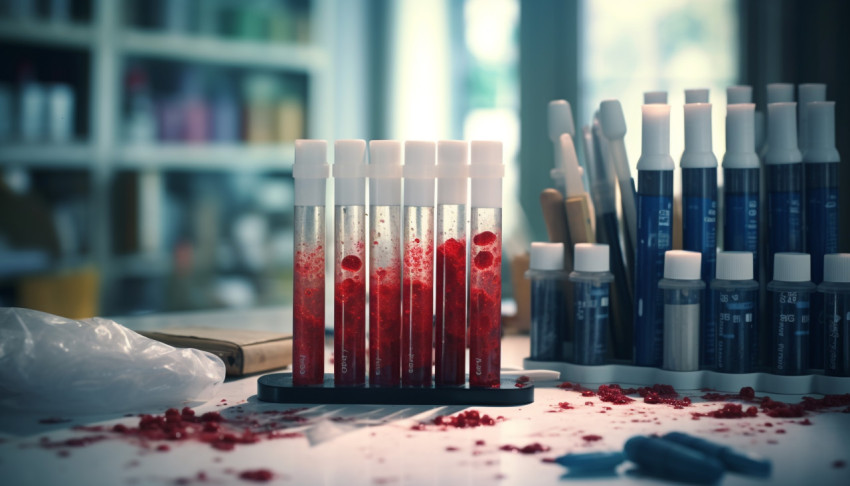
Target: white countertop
376,445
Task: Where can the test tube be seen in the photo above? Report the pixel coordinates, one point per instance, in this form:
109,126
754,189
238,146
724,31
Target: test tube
310,171
592,287
384,263
736,300
683,291
790,300
349,171
699,212
654,231
821,166
807,93
784,167
417,327
741,172
548,307
836,298
450,339
485,268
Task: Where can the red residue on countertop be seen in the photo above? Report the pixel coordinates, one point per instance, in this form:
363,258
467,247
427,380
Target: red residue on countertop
532,448
728,411
257,475
463,420
591,437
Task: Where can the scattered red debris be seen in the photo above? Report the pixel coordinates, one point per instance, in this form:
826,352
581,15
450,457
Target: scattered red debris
613,394
257,475
463,420
565,385
452,448
728,411
565,406
592,437
479,442
805,422
529,449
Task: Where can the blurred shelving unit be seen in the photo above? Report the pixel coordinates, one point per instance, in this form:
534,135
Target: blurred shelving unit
140,175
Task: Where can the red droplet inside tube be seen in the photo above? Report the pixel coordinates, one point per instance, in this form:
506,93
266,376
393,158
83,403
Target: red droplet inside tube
351,263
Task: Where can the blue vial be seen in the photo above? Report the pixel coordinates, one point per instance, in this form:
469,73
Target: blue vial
654,233
699,212
683,291
591,287
548,306
673,461
784,167
790,300
821,165
835,291
736,300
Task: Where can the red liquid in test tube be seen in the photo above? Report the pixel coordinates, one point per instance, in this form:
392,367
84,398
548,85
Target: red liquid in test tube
349,263
310,171
418,265
385,263
485,267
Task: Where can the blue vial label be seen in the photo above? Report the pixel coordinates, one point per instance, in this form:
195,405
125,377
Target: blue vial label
837,346
548,319
822,226
591,323
791,327
699,233
786,225
741,228
654,238
736,330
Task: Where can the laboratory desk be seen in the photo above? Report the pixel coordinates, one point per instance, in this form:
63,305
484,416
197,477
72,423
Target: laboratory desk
400,445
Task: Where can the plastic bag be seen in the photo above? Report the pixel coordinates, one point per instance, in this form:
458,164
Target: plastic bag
53,364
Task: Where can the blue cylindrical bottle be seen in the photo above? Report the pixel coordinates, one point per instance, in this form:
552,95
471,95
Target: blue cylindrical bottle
548,307
683,289
591,286
654,231
790,300
821,165
835,291
736,300
699,212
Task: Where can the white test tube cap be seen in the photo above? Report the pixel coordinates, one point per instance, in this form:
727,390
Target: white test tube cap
486,171
736,95
696,95
782,134
591,257
698,152
546,256
807,93
821,132
655,138
836,268
780,93
349,164
419,171
452,171
792,267
612,120
734,265
560,119
384,172
740,137
310,169
682,265
655,98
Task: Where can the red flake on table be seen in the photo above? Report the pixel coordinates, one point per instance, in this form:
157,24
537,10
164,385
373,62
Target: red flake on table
463,420
722,429
613,394
780,431
451,448
163,448
565,405
589,404
805,422
479,442
565,385
532,448
547,460
839,464
729,411
591,437
781,409
588,393
257,475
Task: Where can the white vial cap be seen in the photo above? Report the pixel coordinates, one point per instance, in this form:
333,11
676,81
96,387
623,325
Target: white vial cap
792,267
591,257
655,137
349,170
452,171
560,120
734,265
740,139
384,172
739,94
486,171
612,120
311,171
696,95
821,132
836,268
655,98
698,152
807,93
682,265
780,93
419,171
782,134
546,256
